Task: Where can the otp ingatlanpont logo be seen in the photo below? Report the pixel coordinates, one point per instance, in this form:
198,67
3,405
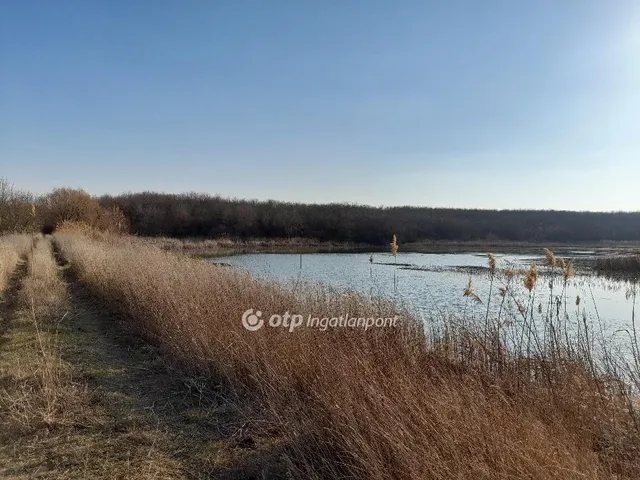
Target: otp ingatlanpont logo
252,321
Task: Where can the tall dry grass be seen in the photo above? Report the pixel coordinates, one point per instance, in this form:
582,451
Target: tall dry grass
231,246
621,265
43,291
12,249
390,403
37,392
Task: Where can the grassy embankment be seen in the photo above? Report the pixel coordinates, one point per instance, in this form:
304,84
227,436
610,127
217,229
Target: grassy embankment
37,394
402,403
75,401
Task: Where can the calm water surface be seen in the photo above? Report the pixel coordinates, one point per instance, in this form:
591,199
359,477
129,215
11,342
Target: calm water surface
432,285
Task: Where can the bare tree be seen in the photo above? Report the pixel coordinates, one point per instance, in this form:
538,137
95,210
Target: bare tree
15,208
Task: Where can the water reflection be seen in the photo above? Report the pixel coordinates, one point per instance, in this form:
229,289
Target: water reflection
432,285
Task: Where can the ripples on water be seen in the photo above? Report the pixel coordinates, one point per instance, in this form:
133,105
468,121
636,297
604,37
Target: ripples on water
432,285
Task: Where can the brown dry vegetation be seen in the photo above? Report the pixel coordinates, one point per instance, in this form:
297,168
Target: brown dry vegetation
628,265
382,404
232,246
82,399
22,211
43,292
12,249
52,423
37,394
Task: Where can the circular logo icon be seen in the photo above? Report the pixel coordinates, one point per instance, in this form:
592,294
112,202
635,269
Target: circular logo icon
252,321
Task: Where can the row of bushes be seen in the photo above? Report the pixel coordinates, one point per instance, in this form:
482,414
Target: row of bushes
22,211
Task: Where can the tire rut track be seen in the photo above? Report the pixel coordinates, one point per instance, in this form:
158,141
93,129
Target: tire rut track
191,426
8,298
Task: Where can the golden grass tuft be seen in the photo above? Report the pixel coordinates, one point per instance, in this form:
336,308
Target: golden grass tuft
80,228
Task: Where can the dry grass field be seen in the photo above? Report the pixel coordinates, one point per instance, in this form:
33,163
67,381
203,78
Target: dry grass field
386,403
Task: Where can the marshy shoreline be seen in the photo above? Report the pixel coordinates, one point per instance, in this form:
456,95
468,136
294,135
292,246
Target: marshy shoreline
512,396
517,395
211,248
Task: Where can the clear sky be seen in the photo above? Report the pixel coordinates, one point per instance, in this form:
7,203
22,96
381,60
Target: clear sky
462,103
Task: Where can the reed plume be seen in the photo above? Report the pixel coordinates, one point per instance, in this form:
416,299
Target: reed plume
468,292
531,278
394,245
568,271
492,261
550,258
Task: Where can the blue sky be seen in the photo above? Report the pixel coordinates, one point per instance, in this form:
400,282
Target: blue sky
461,103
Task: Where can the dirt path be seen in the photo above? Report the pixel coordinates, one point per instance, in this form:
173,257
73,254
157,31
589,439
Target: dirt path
140,418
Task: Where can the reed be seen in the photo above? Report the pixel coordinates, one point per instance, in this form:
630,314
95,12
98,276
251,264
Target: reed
628,265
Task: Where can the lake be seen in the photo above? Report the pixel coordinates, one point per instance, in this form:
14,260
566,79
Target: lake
432,285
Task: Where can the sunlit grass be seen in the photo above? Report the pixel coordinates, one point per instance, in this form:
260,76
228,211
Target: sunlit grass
514,397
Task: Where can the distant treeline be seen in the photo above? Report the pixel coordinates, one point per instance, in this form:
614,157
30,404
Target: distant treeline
196,215
204,216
